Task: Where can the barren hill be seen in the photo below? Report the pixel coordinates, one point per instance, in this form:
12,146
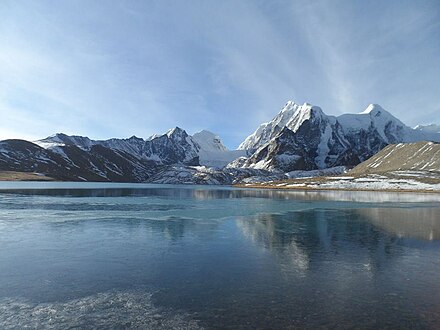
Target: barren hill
419,156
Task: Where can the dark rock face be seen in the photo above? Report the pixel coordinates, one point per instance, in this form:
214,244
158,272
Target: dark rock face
317,143
364,144
312,140
102,164
312,152
24,156
172,148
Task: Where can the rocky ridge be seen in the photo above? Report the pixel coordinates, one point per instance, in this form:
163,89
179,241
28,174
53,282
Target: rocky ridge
299,138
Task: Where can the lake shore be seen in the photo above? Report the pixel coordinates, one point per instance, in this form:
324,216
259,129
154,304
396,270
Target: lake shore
336,183
23,176
384,182
305,188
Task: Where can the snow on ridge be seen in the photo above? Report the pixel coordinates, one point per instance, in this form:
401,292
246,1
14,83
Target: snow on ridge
303,113
209,141
430,128
212,151
267,130
371,108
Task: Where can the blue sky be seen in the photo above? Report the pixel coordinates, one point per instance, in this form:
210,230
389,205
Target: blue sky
120,68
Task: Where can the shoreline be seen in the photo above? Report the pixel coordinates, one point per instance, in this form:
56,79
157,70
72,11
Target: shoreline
13,176
16,176
305,188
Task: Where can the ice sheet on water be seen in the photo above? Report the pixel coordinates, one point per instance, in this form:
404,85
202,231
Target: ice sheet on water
107,310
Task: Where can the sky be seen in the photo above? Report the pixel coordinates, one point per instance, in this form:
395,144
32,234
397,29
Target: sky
120,68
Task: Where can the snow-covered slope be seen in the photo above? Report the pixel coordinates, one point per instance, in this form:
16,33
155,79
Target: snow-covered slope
431,128
309,140
173,147
312,140
61,139
208,141
212,152
269,130
390,129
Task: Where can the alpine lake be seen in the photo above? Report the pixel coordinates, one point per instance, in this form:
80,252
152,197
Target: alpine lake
104,255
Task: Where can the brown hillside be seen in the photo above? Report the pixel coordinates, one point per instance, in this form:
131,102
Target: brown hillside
419,156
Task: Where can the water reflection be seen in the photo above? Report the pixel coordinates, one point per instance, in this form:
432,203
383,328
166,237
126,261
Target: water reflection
300,239
233,257
78,189
372,235
418,223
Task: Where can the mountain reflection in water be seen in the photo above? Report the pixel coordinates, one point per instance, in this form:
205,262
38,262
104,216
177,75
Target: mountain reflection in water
217,257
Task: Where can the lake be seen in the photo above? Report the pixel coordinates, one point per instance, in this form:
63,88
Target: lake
92,255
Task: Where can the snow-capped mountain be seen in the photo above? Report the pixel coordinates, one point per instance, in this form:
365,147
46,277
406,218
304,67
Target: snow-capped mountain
269,130
212,152
312,140
173,147
309,140
431,128
60,139
208,141
298,138
72,163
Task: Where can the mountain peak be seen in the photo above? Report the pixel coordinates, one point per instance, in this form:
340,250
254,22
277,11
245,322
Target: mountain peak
303,113
209,141
374,109
289,106
430,128
176,131
268,130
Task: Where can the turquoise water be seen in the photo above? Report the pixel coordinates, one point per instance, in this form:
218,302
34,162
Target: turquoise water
155,256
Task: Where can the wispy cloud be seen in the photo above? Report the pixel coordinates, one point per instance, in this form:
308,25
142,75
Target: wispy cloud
120,68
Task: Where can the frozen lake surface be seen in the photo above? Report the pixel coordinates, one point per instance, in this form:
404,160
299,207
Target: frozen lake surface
159,256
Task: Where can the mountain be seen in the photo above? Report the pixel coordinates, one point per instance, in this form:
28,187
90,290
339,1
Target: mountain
431,128
209,141
269,130
212,152
311,140
72,163
168,158
298,138
173,147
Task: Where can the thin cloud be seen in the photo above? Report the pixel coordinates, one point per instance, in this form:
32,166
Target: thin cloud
120,68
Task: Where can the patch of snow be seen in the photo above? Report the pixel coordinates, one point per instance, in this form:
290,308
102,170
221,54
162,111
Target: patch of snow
430,128
323,148
219,159
208,141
